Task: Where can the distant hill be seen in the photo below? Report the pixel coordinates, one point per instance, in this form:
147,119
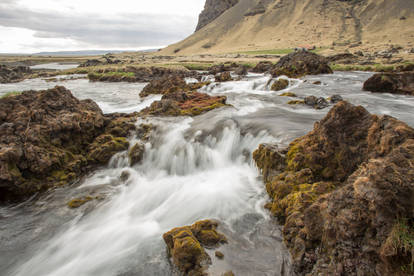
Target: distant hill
249,25
89,52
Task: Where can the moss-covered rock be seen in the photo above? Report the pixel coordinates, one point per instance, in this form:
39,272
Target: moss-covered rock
288,94
342,193
223,77
78,202
184,104
136,153
105,146
185,245
280,84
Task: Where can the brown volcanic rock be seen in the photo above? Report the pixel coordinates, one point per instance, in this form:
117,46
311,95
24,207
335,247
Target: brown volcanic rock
301,63
263,67
164,85
212,10
13,74
184,104
186,244
346,188
48,138
398,83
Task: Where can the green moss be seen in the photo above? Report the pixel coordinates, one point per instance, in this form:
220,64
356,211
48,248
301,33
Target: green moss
14,170
296,102
77,202
288,94
294,149
11,94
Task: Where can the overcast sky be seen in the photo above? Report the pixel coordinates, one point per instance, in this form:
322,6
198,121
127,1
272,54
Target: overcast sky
28,26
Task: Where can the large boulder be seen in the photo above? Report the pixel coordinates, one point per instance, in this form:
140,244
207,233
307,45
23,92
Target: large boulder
49,138
398,83
263,67
212,10
343,193
301,63
185,246
13,74
164,85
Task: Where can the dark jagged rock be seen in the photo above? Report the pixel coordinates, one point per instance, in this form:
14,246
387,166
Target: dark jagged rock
344,58
301,63
136,153
13,74
170,84
220,68
212,10
185,246
344,194
184,104
138,74
223,77
317,103
398,83
91,62
258,9
49,138
263,67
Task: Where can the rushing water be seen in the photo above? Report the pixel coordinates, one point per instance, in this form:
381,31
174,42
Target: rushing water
193,168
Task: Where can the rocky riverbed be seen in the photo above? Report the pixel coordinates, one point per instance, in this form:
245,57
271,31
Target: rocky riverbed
145,173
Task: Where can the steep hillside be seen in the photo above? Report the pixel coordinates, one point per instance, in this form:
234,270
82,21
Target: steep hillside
212,10
279,24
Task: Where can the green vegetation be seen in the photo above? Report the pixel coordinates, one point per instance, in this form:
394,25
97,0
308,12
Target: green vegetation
367,68
10,94
268,52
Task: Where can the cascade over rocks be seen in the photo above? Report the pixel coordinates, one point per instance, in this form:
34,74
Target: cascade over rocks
396,83
49,138
186,246
301,63
344,193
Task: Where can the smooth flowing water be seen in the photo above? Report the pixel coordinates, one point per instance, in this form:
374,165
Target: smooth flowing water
193,168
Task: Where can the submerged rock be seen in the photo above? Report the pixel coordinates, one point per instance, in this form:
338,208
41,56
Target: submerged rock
301,63
345,187
223,77
398,83
136,153
49,138
185,246
280,84
184,104
317,103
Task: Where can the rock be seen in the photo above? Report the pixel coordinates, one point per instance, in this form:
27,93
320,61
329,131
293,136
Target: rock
270,159
185,245
335,99
78,202
223,77
288,94
212,10
346,188
396,83
258,9
317,82
91,62
262,67
136,153
340,58
164,85
241,70
412,51
228,273
296,102
49,138
13,74
138,74
317,103
184,104
219,255
301,63
280,84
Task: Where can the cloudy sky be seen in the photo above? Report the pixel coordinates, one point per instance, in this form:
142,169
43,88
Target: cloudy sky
29,26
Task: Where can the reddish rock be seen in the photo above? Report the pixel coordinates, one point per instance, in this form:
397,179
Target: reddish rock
345,187
184,104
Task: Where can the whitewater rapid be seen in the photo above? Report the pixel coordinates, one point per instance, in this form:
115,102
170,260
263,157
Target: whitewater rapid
193,168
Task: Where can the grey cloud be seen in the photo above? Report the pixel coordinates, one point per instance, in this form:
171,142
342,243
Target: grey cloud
122,30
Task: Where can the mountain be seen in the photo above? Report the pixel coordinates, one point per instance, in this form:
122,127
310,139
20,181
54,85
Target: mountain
89,52
244,25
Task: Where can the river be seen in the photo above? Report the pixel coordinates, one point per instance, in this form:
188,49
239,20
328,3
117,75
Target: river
193,168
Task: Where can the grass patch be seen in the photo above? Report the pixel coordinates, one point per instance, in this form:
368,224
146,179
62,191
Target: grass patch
268,52
11,94
366,68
